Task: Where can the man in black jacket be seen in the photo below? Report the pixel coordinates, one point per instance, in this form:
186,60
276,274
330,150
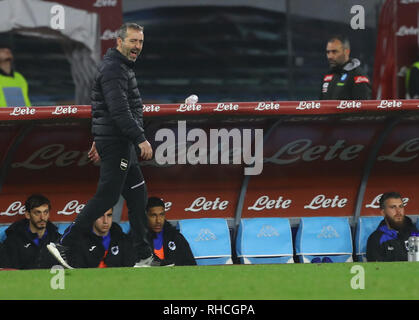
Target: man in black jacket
27,238
388,242
104,246
117,128
169,245
345,79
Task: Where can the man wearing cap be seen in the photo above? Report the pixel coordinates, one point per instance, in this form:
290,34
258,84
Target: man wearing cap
13,86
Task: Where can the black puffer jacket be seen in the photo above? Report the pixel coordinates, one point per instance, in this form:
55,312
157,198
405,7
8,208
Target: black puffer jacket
23,252
117,110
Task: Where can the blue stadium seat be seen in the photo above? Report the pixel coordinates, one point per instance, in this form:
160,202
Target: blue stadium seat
364,228
324,239
62,226
209,239
3,232
264,240
125,226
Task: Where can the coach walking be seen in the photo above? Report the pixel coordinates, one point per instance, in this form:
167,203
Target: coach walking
117,128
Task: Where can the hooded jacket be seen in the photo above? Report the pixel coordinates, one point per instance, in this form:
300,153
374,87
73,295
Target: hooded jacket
346,82
175,247
25,250
90,251
386,244
117,109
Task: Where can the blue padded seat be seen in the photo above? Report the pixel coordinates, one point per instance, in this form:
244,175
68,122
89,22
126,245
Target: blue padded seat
364,228
209,239
324,239
125,226
3,232
264,240
62,226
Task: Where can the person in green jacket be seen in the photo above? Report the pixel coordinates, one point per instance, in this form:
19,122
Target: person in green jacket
13,86
412,81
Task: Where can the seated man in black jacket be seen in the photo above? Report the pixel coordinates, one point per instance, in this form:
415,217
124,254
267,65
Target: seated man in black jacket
104,246
25,245
388,242
169,245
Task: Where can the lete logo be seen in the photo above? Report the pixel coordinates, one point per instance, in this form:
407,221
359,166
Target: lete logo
18,207
21,111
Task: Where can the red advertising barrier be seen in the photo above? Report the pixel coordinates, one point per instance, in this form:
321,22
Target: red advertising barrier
318,157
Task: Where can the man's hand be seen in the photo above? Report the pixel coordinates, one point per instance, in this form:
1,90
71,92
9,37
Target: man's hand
146,150
93,154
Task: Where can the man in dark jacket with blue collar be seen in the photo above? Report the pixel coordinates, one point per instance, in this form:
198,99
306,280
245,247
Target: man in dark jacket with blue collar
388,242
104,246
118,131
25,245
169,245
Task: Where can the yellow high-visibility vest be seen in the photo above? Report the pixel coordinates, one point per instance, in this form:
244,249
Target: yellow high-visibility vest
407,79
14,91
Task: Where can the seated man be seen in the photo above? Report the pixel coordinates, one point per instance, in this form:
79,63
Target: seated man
105,246
388,242
169,244
25,245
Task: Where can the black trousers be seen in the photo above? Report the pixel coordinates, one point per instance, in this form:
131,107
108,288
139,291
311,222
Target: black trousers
120,173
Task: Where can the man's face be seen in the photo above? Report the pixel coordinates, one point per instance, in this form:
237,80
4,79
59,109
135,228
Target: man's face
132,45
6,55
393,212
103,224
156,217
336,54
38,217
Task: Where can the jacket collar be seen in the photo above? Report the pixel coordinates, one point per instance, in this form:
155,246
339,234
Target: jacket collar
114,53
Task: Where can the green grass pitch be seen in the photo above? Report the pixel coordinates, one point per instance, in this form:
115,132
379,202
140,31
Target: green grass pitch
392,280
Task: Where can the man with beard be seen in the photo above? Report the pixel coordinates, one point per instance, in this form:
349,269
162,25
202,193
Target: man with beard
388,242
105,245
119,139
13,85
345,80
25,245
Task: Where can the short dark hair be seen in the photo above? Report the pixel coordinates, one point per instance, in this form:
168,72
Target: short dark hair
343,39
154,202
35,201
388,195
122,32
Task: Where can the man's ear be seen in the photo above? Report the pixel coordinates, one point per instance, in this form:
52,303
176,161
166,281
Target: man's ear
27,216
118,42
347,53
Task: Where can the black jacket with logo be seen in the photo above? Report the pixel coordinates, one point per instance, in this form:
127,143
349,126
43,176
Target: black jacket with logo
386,244
346,82
90,251
176,248
21,250
117,109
